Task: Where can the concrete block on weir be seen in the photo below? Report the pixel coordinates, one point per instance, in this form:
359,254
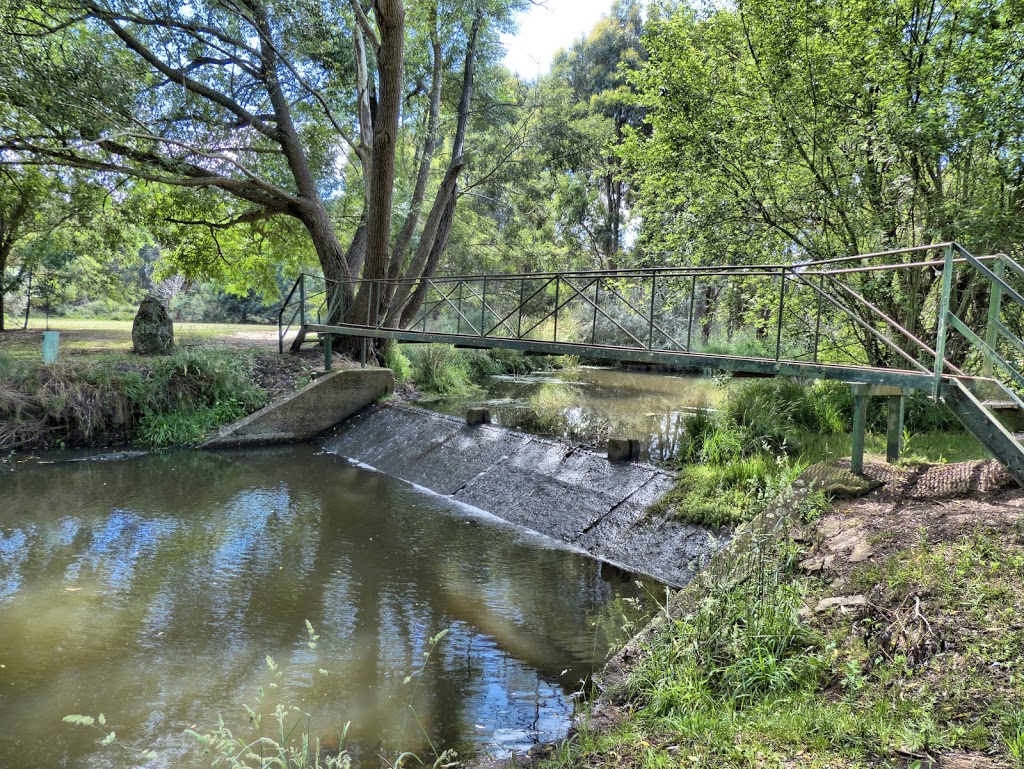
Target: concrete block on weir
478,416
623,449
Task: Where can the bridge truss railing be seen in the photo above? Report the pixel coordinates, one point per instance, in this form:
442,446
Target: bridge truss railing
924,310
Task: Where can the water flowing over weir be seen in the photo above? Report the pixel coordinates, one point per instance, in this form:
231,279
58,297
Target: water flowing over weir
566,492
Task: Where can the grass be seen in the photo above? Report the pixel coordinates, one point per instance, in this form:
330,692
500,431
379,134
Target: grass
732,461
171,400
443,370
745,680
92,337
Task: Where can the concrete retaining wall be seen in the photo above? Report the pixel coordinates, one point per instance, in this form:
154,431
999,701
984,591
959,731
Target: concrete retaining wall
563,491
305,414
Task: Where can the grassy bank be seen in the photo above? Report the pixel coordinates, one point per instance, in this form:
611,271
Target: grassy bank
117,399
733,461
443,370
909,658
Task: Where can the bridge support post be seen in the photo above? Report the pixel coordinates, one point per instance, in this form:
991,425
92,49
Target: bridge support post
860,421
328,351
894,432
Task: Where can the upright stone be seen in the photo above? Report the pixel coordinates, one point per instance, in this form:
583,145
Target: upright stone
153,330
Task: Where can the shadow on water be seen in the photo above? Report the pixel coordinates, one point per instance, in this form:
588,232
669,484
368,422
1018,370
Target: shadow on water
152,589
588,404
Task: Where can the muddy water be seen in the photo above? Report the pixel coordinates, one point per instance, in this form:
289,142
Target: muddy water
153,589
587,404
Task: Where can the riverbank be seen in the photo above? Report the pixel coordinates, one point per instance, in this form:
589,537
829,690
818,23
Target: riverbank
879,631
100,394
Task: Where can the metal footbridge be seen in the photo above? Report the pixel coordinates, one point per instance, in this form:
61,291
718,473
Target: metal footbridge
932,318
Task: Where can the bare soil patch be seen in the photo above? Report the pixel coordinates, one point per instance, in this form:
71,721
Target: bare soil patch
926,504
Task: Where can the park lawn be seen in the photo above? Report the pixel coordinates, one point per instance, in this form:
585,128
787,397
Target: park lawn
89,338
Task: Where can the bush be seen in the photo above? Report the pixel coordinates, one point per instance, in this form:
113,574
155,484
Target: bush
440,369
172,400
103,309
396,360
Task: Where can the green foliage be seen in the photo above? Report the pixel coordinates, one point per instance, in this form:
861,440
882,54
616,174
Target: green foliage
440,369
396,360
173,400
732,462
741,679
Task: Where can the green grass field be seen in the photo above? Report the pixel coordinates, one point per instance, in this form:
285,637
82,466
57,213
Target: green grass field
101,338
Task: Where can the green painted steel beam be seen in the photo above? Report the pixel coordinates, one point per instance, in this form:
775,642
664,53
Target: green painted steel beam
860,422
896,378
894,428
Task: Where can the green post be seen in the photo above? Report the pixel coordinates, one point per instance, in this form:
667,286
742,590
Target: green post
995,305
328,352
894,432
943,312
860,420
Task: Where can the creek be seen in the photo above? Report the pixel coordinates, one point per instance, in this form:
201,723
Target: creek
586,404
153,589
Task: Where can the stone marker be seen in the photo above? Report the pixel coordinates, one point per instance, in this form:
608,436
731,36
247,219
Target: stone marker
153,329
478,416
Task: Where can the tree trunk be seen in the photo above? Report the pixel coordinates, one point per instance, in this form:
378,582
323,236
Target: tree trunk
437,230
390,15
412,307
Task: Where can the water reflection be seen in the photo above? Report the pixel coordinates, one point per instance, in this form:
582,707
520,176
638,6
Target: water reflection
587,404
152,589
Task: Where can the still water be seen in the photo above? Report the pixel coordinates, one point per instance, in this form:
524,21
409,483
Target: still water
153,589
587,404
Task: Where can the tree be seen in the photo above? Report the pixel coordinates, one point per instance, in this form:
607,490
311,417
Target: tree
49,220
261,102
589,103
785,131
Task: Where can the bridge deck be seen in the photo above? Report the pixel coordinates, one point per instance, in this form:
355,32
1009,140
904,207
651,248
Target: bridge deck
687,360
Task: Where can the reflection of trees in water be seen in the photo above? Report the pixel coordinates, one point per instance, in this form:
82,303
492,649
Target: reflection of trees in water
203,565
587,405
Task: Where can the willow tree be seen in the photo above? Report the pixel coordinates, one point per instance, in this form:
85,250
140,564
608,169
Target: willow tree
280,107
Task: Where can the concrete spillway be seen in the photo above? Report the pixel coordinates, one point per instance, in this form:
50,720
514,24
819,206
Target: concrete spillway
564,491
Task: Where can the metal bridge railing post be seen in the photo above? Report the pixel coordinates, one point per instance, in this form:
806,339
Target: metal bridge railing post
558,279
597,295
458,313
522,301
689,318
817,313
650,332
302,298
483,307
943,314
782,306
995,306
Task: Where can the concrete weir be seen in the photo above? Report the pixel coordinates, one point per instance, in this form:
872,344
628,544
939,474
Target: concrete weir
564,491
305,414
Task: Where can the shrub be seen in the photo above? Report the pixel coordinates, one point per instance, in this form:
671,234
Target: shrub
172,400
396,360
440,369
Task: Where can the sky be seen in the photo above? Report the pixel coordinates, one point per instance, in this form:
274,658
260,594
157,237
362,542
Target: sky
544,29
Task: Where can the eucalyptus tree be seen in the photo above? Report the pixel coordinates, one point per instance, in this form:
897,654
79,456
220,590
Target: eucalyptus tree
786,130
282,109
50,220
589,103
